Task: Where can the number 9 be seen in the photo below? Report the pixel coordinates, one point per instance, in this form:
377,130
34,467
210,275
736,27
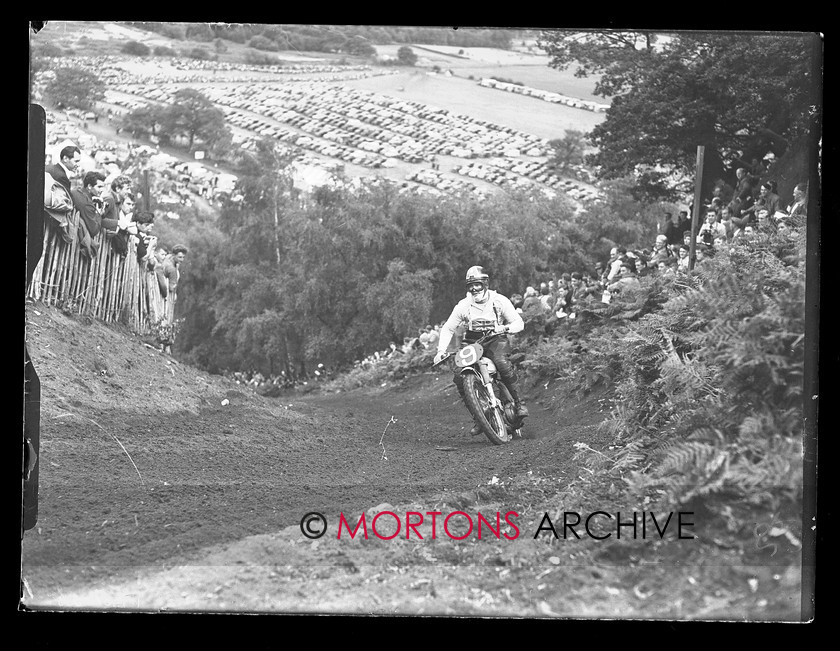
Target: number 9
467,356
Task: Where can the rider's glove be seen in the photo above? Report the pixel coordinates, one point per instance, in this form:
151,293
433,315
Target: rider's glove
500,328
439,357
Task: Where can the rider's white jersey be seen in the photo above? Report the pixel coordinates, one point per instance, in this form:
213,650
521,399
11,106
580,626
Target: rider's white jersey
496,309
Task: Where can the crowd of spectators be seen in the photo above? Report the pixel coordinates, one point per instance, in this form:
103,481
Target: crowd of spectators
734,223
107,209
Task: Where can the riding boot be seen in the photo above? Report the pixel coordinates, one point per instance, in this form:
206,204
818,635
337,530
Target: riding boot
521,409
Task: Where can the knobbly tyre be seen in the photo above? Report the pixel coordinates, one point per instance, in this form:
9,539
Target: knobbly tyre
487,398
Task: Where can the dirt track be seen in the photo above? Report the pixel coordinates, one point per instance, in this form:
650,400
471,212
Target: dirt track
163,488
130,487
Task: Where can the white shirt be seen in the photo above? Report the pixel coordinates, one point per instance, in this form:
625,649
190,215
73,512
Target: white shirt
496,308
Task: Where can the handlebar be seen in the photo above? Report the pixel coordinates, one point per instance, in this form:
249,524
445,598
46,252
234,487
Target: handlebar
481,340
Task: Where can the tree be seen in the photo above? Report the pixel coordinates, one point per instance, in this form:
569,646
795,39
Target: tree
569,151
200,53
135,48
164,51
359,46
191,115
75,88
143,120
406,56
735,94
199,32
260,42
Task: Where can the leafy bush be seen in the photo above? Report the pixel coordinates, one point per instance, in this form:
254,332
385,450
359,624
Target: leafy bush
164,51
252,57
708,402
263,43
199,53
135,48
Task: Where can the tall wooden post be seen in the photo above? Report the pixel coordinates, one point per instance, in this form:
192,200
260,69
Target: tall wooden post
695,213
147,197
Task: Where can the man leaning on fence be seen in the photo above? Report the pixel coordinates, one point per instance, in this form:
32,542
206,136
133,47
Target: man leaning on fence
170,268
88,201
67,166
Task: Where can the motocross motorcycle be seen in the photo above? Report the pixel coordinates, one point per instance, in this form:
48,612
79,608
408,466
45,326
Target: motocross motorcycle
487,398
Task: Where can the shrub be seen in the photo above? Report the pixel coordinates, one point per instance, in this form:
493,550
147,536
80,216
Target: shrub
164,51
262,43
135,48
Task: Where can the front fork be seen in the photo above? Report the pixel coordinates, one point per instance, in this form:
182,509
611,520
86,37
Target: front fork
484,373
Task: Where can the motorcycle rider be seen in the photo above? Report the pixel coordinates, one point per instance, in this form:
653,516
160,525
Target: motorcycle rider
481,311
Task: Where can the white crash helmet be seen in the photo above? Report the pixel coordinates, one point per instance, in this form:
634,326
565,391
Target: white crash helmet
478,275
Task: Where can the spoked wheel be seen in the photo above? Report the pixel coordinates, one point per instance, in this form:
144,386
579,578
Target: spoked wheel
491,419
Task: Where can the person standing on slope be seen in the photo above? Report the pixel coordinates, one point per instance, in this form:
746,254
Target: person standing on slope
481,311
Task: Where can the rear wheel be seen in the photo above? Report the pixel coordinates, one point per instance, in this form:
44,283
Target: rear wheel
491,419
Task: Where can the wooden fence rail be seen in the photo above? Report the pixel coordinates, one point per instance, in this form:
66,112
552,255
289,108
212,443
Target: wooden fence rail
110,287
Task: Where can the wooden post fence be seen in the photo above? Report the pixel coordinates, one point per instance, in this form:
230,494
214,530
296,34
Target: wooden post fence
109,287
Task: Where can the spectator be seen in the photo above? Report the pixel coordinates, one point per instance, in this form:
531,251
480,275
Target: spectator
434,335
579,293
745,187
765,224
614,264
740,218
58,208
702,253
628,283
112,212
171,267
423,338
546,299
784,225
799,206
682,262
660,250
67,167
531,303
685,221
768,198
710,229
163,283
112,199
144,222
125,222
726,220
671,228
88,202
667,268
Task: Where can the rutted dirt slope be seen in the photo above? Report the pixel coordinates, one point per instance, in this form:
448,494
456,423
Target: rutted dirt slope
162,487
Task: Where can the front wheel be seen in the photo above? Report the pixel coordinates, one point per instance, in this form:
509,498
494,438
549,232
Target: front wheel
489,417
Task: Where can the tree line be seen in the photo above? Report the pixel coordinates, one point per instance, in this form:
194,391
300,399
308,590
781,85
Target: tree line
350,39
276,282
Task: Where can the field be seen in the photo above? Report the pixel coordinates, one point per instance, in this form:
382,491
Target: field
459,93
463,95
